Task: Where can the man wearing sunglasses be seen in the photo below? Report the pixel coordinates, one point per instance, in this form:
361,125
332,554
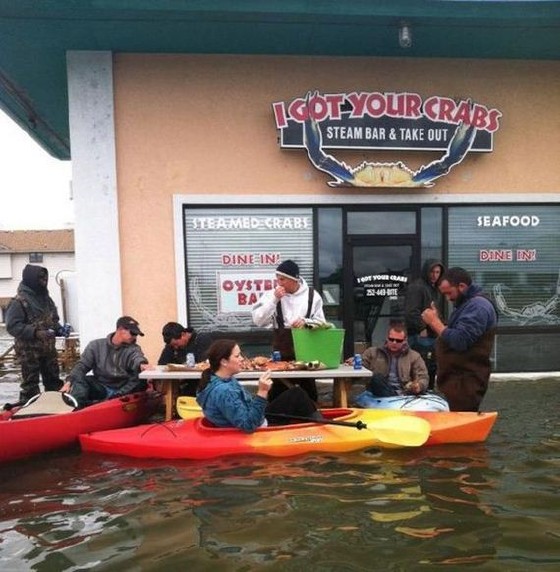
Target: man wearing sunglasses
397,369
114,362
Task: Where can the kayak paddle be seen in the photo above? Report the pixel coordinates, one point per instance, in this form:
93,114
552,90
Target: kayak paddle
402,430
399,430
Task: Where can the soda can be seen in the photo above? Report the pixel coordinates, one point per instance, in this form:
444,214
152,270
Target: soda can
358,361
190,360
276,356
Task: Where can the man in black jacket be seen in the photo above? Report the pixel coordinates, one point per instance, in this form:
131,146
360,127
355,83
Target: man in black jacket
32,319
179,341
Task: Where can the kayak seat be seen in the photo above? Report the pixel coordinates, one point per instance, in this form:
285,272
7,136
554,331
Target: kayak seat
207,423
47,403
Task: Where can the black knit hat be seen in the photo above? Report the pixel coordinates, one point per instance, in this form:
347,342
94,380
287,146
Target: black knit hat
289,269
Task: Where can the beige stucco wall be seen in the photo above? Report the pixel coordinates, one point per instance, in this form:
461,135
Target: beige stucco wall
204,124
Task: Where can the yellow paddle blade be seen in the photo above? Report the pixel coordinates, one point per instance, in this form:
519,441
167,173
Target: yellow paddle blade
188,408
403,430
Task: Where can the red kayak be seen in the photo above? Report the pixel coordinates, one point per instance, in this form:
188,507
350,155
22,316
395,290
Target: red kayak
23,435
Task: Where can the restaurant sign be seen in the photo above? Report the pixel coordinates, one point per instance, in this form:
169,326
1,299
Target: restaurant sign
389,121
382,285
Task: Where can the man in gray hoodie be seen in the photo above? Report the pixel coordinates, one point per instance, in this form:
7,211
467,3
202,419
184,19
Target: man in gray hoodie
115,362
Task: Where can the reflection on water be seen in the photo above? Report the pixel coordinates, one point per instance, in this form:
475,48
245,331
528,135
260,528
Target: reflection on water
491,505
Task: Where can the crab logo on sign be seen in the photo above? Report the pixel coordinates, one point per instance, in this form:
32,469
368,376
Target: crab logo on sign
385,121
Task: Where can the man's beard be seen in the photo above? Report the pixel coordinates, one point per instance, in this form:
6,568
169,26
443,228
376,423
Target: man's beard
460,299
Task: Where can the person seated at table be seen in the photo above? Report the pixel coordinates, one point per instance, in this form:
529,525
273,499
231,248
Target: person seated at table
226,403
115,362
397,369
180,341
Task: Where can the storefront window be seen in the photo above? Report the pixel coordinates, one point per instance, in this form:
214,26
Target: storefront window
231,256
512,252
432,235
329,254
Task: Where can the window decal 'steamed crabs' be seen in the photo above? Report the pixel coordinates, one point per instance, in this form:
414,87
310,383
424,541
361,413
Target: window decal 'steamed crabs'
384,174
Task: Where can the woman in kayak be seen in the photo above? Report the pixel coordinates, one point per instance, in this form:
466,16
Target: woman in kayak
226,403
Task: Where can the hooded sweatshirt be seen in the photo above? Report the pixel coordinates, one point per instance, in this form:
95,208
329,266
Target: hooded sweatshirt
463,351
419,296
116,367
294,306
32,308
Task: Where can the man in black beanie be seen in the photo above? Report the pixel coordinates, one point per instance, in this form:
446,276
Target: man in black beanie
32,319
284,308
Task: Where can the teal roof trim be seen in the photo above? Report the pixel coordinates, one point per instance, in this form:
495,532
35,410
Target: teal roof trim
35,37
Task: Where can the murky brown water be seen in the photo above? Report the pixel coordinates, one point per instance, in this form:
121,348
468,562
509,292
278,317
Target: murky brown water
494,506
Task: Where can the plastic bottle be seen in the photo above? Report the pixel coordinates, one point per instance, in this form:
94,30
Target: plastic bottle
358,361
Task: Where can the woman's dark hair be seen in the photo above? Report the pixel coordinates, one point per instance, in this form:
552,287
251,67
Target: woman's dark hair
219,350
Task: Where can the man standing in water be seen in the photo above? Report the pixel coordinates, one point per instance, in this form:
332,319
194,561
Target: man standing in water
284,308
419,295
32,319
464,345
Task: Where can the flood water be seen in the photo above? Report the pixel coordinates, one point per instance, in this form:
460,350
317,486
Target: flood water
492,506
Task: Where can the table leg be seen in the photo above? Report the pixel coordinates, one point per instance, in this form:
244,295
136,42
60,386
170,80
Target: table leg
340,391
167,388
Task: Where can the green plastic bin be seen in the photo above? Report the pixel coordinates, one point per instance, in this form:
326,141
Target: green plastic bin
321,345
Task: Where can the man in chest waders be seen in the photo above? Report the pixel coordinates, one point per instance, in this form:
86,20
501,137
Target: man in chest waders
284,308
32,319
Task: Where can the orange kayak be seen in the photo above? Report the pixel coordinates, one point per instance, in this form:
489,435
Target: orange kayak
446,427
341,431
194,438
457,426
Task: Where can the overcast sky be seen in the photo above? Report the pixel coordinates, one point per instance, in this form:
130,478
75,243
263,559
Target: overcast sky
35,186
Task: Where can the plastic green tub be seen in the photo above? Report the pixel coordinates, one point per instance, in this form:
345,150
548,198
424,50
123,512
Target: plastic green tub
321,345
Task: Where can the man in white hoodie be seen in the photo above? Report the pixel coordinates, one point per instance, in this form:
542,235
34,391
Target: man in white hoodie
284,308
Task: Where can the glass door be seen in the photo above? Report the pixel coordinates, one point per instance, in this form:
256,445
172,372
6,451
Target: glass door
376,276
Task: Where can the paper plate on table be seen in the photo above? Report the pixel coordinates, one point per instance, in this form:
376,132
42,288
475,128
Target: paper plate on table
180,367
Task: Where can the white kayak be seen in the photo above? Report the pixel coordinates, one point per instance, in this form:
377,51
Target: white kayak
424,402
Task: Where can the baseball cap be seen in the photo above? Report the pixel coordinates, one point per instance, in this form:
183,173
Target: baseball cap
130,324
174,330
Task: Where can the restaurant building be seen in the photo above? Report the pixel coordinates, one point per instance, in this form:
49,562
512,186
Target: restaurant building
358,140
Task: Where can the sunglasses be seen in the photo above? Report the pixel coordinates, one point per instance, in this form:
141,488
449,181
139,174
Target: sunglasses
396,340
